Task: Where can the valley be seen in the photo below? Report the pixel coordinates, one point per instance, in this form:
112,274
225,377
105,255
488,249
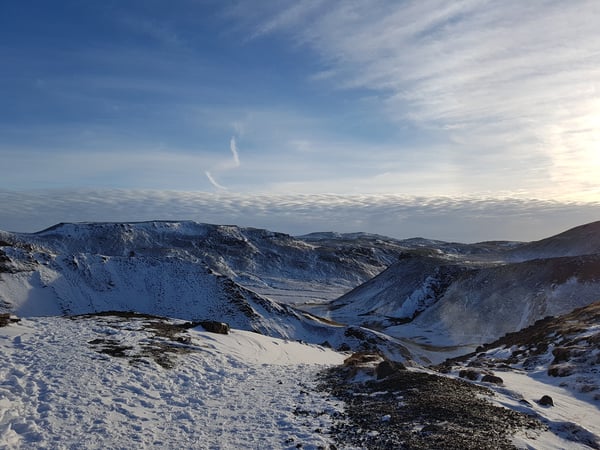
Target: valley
447,309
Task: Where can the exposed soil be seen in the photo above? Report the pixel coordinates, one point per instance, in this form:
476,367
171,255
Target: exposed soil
418,410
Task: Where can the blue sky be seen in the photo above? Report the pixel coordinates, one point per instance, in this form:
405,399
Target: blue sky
243,100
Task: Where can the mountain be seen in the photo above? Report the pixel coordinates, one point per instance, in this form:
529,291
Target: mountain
285,268
428,293
581,240
109,348
564,348
461,299
548,370
161,268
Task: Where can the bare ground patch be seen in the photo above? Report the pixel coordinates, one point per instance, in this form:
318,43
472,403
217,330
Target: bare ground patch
418,410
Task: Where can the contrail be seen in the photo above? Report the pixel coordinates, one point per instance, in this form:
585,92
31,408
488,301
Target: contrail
213,181
234,151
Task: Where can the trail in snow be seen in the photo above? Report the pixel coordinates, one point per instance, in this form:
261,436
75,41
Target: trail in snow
230,392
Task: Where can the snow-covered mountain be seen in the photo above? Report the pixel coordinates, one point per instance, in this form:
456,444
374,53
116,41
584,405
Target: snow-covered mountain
581,240
139,380
281,266
548,370
437,298
161,268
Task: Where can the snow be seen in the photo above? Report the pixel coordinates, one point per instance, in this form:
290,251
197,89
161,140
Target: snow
570,418
245,390
240,390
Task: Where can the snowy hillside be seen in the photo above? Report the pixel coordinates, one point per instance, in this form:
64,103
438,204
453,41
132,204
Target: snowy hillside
557,357
104,340
284,268
581,240
78,269
61,386
461,300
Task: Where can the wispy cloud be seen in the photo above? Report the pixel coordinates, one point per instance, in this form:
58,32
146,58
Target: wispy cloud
509,84
455,219
223,166
234,152
213,181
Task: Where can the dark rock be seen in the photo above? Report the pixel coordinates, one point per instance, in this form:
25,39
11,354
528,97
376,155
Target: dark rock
215,327
184,339
472,375
355,332
546,400
387,368
344,348
560,370
5,319
561,354
492,379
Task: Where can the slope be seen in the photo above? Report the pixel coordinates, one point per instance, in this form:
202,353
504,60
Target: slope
285,268
59,389
440,302
581,240
556,357
75,269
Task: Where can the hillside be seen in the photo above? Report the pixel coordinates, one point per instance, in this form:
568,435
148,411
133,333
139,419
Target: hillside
101,382
281,266
581,240
155,268
101,336
457,300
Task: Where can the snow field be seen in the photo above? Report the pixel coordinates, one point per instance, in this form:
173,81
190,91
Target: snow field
570,420
242,390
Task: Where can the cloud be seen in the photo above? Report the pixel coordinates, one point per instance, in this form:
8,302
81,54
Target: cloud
234,152
234,163
213,181
509,84
453,219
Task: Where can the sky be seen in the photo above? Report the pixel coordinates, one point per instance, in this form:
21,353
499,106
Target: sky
466,120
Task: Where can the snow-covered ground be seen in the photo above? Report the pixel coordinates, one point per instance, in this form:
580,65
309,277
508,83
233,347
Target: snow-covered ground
241,390
573,421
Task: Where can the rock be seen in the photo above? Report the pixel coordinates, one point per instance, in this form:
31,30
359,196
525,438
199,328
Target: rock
6,319
546,400
215,327
561,354
361,359
344,348
184,339
492,379
386,368
560,370
472,375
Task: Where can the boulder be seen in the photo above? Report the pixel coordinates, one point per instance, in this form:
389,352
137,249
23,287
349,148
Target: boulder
492,379
546,400
215,327
469,374
386,368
